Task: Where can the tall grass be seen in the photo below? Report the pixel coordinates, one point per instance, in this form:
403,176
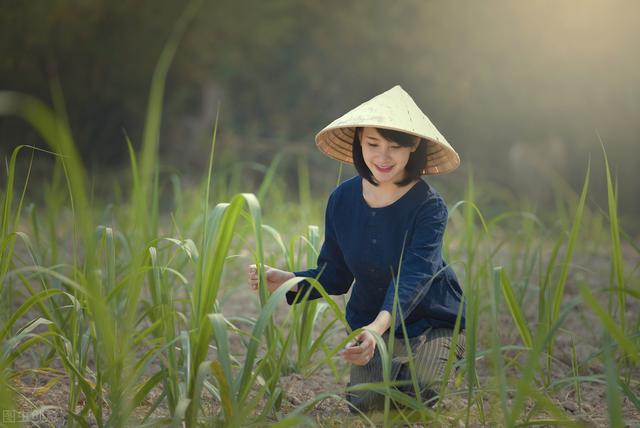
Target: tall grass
132,313
178,320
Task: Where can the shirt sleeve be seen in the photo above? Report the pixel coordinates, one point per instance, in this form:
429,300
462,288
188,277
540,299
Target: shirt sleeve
421,261
331,271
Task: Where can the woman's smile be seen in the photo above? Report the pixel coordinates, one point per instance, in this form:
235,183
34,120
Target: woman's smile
384,168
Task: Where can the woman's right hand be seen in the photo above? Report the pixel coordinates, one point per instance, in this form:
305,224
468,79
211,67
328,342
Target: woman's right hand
275,277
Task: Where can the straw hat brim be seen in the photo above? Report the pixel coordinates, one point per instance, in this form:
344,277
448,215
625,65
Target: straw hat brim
394,110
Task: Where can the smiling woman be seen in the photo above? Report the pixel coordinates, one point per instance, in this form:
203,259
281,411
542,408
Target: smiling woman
393,157
383,240
389,161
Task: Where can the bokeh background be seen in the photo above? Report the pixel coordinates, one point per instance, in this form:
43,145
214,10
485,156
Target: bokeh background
525,91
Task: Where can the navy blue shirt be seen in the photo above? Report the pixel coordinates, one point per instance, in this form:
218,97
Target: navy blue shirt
363,247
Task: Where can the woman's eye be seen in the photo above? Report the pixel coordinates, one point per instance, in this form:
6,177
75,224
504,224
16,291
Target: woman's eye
375,145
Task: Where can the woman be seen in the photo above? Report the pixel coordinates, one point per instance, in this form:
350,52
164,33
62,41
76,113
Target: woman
384,227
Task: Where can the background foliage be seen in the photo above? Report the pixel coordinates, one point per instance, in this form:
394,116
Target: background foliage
522,90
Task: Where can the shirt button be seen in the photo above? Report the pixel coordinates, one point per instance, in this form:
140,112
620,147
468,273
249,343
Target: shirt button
373,213
373,241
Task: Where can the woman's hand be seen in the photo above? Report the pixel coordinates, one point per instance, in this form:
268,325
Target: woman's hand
360,351
275,277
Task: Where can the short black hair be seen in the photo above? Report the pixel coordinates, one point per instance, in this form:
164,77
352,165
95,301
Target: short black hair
415,164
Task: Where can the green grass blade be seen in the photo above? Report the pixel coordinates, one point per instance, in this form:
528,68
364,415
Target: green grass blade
497,357
614,399
151,134
243,381
222,367
514,309
611,326
573,236
616,249
268,178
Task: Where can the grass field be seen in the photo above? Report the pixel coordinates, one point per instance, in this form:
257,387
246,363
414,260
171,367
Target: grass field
125,314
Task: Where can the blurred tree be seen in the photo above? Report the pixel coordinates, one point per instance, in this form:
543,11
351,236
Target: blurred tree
489,74
103,54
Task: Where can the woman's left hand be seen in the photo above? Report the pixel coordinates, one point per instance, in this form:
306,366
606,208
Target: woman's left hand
360,351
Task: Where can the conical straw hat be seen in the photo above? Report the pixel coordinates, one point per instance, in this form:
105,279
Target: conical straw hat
393,109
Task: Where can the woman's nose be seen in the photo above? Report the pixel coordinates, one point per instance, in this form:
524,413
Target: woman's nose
386,153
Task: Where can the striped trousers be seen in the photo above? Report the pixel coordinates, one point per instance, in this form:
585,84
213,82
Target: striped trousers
429,350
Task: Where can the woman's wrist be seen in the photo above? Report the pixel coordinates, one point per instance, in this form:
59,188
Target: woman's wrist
382,322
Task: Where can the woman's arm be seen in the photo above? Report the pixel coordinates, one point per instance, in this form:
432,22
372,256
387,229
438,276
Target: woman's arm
331,271
419,266
421,261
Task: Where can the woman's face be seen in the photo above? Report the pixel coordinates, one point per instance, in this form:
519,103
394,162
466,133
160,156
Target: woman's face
386,159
